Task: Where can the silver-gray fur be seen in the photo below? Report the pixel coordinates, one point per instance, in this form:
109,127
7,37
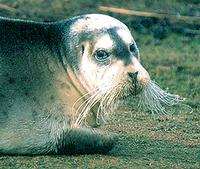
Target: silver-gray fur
32,117
51,80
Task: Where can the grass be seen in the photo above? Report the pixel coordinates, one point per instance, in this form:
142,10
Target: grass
173,62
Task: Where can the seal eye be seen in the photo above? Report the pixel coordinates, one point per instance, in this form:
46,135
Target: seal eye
133,48
101,55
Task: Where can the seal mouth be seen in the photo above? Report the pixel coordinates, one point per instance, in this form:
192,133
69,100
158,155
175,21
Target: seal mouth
149,98
134,86
130,90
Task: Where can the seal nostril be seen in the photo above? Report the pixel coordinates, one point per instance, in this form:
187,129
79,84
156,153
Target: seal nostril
133,75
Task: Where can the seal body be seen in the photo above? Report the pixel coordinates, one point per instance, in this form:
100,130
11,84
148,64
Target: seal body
48,73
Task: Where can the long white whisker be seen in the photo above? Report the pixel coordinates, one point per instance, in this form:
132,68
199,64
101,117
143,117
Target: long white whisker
91,102
158,101
88,103
76,102
106,104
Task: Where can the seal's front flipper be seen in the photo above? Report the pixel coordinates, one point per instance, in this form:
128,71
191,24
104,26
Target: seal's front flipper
86,141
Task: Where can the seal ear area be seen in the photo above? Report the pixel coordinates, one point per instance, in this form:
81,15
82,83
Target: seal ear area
82,49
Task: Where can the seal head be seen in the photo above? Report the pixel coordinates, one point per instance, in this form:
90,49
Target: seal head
108,53
108,64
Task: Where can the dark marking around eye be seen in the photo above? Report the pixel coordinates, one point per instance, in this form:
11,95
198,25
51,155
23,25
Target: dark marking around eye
102,55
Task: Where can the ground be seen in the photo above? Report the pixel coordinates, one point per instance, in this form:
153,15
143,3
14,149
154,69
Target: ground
172,57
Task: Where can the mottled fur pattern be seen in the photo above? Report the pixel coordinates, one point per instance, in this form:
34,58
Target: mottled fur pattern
53,92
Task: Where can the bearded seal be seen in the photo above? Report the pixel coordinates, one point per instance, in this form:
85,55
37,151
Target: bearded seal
59,80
